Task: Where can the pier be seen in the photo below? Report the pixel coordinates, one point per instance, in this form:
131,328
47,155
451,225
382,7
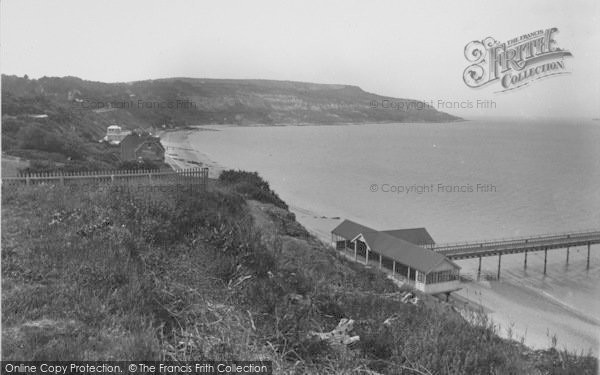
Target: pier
468,250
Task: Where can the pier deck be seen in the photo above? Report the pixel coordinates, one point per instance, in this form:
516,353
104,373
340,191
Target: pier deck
525,245
517,245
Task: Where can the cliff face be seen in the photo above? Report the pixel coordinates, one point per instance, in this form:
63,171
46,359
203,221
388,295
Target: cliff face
187,101
281,103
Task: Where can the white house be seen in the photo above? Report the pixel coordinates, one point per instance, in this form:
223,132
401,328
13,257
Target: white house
114,134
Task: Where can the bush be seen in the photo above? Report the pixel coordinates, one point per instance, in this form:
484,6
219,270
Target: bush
139,165
251,186
36,136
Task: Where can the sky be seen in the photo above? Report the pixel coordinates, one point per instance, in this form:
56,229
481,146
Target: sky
407,49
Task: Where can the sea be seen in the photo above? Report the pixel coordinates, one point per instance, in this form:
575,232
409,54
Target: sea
462,181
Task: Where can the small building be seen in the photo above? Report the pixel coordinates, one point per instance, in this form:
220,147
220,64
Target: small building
413,262
115,134
138,146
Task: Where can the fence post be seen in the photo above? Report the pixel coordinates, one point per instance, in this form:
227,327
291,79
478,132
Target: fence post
205,178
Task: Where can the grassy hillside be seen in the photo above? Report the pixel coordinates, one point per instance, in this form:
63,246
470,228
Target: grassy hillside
229,273
78,111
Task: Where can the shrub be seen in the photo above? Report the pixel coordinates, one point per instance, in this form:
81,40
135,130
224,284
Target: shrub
139,165
251,186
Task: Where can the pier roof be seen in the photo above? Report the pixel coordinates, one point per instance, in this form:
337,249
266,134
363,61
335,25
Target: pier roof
349,229
418,236
393,247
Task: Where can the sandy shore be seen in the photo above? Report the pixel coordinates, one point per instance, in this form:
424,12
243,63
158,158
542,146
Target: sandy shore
179,154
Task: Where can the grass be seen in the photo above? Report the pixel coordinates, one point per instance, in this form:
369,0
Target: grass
179,276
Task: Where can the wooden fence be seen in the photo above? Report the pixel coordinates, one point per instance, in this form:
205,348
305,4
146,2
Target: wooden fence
195,177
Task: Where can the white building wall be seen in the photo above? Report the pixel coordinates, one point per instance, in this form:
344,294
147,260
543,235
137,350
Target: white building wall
440,287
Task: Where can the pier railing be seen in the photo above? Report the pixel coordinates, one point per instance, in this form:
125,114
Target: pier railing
516,240
498,248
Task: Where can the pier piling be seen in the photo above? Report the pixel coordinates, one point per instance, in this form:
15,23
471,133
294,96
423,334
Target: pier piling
544,243
499,259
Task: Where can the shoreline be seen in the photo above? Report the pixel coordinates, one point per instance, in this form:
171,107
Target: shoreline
181,155
491,298
214,127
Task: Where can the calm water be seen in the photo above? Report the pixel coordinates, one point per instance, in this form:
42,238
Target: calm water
535,177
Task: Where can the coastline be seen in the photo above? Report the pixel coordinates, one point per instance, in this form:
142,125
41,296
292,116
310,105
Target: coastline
180,155
216,127
491,298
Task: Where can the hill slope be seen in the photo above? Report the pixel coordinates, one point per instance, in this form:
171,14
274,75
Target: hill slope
185,101
170,274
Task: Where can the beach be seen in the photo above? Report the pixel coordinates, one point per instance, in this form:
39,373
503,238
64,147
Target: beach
180,154
525,304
